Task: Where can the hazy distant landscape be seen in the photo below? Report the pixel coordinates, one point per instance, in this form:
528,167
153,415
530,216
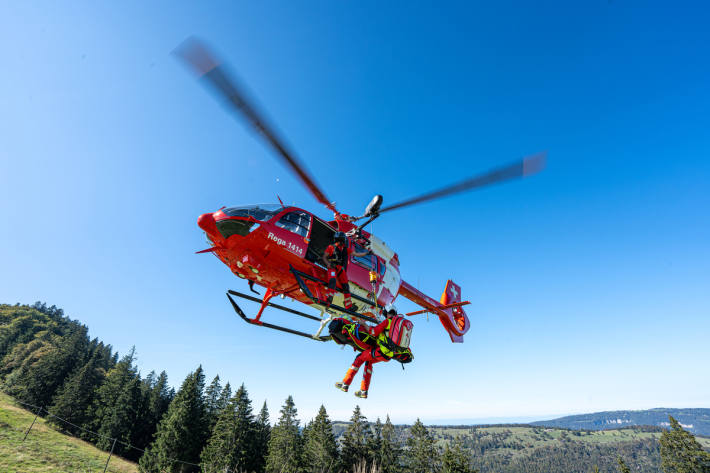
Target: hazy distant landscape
696,421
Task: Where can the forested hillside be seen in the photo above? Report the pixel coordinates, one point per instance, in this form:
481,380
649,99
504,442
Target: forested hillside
517,448
696,421
83,388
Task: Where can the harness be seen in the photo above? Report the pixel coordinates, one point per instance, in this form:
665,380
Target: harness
365,341
339,256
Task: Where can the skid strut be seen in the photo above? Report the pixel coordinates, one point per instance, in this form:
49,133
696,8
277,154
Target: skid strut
264,303
299,276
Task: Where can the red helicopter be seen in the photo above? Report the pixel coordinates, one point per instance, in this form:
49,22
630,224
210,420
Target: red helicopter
280,247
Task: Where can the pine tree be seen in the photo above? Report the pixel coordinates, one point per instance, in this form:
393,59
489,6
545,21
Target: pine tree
115,409
355,442
160,397
422,457
456,459
182,432
231,446
76,395
261,439
390,449
681,453
374,444
224,397
320,451
285,443
156,399
623,468
212,398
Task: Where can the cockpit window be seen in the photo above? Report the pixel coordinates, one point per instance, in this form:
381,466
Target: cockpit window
296,222
262,212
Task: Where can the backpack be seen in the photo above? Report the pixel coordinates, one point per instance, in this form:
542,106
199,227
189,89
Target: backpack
400,331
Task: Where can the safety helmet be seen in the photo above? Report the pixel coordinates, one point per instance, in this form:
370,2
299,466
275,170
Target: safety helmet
340,237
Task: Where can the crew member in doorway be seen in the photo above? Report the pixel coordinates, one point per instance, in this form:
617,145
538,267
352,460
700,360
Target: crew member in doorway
336,258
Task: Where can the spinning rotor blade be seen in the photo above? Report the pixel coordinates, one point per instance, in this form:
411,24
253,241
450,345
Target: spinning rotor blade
196,55
525,167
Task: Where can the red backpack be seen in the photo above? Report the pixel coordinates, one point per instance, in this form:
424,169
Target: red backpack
400,331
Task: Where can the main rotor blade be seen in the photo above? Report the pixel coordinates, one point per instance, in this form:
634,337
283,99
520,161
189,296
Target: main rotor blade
525,167
198,57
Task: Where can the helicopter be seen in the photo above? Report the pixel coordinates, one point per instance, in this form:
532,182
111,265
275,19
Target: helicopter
280,247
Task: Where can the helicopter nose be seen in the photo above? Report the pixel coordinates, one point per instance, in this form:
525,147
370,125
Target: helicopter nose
206,222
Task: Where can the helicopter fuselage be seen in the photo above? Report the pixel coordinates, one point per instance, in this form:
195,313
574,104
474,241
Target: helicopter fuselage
261,243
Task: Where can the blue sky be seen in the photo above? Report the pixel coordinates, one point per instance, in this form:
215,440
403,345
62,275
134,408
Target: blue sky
589,282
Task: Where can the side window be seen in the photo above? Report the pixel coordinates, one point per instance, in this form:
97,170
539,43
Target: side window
382,266
296,222
367,261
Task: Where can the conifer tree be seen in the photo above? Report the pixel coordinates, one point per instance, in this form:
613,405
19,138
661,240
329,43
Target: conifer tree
117,402
356,440
456,459
374,444
390,449
681,453
320,451
76,395
261,438
212,398
182,432
160,397
156,399
285,443
224,397
422,457
231,446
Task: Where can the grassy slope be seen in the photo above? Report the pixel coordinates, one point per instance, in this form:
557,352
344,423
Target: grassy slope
45,449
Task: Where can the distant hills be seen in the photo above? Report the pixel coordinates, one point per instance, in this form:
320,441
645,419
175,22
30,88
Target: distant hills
696,421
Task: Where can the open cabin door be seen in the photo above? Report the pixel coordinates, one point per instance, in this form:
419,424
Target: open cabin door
321,236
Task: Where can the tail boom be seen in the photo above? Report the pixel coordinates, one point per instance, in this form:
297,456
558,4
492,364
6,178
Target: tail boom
449,308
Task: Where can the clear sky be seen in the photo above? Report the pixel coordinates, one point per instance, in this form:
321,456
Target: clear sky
589,282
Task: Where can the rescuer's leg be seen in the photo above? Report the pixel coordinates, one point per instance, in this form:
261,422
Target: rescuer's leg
344,284
365,383
332,284
373,356
352,371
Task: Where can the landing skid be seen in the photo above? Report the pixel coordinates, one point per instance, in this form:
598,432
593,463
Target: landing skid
255,320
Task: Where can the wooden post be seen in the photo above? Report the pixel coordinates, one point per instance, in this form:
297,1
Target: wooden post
109,455
33,423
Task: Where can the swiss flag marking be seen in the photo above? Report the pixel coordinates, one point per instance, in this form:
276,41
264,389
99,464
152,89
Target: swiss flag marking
454,291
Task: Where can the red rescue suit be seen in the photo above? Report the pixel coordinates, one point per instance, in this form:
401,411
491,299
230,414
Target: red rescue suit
337,256
369,358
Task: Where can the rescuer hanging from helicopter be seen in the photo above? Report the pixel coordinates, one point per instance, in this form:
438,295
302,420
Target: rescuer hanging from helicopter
391,337
336,260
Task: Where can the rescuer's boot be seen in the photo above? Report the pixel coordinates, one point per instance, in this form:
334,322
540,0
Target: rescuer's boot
342,386
361,394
